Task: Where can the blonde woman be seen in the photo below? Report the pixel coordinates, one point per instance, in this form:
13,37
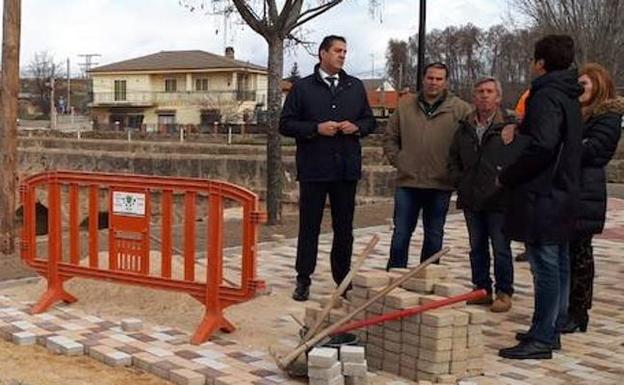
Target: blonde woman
602,115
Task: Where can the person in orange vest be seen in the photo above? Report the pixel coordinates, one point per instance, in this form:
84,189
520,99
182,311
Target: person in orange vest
520,111
521,105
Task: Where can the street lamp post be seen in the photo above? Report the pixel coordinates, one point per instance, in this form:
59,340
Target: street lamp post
421,42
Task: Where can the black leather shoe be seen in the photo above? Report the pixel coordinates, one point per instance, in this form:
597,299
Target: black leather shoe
523,337
525,350
576,324
301,293
347,290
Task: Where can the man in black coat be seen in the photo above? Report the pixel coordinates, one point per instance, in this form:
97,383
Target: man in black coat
477,154
544,188
327,113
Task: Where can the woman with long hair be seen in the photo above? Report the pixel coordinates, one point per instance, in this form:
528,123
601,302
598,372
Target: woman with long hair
602,114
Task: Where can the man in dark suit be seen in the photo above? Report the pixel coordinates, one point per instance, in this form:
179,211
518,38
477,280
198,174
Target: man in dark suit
327,113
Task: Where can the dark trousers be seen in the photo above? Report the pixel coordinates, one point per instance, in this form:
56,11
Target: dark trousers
550,265
581,277
484,226
312,196
408,202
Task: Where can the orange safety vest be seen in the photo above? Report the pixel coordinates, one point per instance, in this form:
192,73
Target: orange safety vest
521,105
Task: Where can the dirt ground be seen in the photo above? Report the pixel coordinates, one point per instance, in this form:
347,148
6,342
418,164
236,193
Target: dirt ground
373,214
35,366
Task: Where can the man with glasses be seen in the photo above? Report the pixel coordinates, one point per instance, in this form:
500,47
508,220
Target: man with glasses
417,142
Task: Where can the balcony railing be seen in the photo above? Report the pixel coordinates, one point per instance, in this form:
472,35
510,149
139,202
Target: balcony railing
185,97
132,98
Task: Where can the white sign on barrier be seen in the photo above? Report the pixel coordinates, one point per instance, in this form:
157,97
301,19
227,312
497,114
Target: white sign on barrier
128,203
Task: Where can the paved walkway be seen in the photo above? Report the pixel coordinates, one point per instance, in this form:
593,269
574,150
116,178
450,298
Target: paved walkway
595,357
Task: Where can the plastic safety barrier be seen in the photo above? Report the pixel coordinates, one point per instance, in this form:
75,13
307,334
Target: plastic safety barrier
129,210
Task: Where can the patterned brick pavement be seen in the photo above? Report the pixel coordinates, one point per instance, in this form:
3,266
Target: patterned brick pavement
595,357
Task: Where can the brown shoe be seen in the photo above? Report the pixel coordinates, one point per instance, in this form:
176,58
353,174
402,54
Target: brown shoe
487,300
502,303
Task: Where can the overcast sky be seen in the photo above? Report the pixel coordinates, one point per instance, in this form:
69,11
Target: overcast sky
123,29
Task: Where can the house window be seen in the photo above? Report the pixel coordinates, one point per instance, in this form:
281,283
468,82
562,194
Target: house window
201,84
166,121
170,85
209,117
120,90
244,91
135,121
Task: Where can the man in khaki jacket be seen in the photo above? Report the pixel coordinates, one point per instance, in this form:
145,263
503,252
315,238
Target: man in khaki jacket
417,142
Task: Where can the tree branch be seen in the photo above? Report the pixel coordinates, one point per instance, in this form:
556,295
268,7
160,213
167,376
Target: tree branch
307,45
291,15
314,12
289,11
273,14
251,18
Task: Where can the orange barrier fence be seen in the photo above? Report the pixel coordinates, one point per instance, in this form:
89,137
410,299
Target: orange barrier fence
130,214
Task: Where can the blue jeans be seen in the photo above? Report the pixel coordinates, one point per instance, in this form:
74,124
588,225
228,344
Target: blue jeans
408,202
550,265
484,226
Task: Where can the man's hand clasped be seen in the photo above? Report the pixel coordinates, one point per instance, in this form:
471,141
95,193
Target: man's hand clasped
508,133
347,128
331,128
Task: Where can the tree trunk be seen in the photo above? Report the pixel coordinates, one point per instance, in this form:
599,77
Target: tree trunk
274,150
8,123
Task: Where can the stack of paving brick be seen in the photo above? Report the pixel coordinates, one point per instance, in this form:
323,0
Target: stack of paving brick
313,312
475,342
328,366
440,345
365,286
399,341
354,365
324,367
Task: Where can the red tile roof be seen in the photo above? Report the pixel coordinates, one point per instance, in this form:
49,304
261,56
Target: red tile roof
386,99
177,60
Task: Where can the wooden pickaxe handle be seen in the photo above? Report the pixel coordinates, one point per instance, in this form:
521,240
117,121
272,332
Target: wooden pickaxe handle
342,287
284,362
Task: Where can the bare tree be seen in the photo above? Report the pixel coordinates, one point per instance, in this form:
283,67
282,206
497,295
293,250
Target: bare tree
398,63
230,109
507,54
294,74
457,47
596,25
276,24
41,69
9,86
471,52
